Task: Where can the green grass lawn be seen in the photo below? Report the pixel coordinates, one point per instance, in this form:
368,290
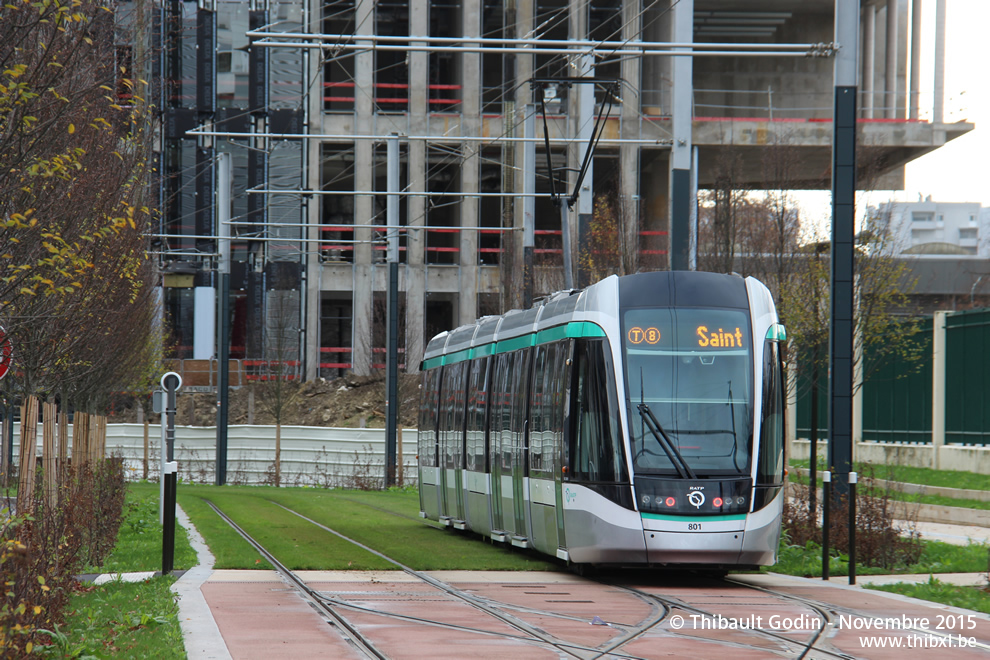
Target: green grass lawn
970,598
917,475
120,620
936,557
386,521
139,541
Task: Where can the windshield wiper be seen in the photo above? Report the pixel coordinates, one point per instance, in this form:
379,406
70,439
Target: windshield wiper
683,469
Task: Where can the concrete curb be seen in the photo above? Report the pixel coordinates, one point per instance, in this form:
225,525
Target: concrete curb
199,629
953,515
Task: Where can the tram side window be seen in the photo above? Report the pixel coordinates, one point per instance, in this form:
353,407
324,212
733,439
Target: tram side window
452,416
770,469
556,400
537,418
477,399
520,391
501,410
427,437
596,455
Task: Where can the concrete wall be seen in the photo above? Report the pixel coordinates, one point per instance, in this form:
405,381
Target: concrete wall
801,86
951,457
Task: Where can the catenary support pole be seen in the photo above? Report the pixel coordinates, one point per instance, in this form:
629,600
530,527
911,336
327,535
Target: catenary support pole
392,366
224,188
843,228
680,152
529,203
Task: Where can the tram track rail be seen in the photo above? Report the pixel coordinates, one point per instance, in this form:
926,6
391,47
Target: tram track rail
333,609
795,643
329,607
801,649
483,604
348,631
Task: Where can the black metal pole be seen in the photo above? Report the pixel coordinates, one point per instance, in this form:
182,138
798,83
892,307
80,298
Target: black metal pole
171,382
826,506
223,377
392,375
853,478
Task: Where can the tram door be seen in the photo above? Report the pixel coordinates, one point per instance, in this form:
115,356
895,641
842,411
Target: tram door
452,441
520,437
566,359
500,408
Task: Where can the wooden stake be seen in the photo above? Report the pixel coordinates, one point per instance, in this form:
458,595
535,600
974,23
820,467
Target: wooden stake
398,432
145,449
63,446
48,455
29,455
80,440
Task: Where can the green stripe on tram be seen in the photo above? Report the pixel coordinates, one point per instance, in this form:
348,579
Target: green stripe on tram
690,518
573,330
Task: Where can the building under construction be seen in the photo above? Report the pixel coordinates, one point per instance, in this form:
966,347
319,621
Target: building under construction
494,106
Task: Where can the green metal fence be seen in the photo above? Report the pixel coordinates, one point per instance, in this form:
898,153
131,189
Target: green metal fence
967,382
897,395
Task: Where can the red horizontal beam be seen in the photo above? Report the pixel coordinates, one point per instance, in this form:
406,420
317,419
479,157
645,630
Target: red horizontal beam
387,85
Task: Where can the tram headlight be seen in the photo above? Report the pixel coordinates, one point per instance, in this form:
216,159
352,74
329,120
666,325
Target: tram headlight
717,502
670,501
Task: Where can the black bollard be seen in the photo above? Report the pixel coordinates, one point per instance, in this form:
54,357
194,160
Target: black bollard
826,506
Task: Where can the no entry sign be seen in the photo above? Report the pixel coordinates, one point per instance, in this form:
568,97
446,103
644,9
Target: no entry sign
6,353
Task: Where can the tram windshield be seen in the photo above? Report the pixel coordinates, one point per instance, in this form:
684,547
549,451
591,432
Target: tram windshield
689,384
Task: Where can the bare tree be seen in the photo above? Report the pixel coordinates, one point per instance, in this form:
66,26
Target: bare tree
276,384
602,249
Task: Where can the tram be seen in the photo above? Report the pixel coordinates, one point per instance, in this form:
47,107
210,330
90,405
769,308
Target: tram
639,421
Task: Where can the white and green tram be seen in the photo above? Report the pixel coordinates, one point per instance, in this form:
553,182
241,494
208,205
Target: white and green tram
638,421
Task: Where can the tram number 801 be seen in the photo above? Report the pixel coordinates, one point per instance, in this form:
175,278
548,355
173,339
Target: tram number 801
694,527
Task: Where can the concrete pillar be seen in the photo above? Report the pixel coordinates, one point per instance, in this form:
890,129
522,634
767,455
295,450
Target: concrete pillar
314,268
915,86
869,58
467,303
631,71
363,273
681,124
416,206
938,108
938,387
519,25
890,74
586,194
577,29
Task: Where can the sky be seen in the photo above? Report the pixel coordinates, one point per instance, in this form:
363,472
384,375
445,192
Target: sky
960,170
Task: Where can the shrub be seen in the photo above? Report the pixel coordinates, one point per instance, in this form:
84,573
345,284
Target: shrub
886,534
41,551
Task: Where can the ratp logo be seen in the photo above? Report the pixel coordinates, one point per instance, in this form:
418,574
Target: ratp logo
696,498
569,496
